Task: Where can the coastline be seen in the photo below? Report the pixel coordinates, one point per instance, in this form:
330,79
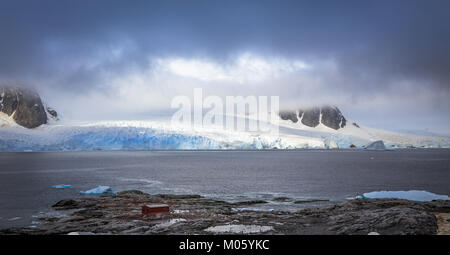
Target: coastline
120,214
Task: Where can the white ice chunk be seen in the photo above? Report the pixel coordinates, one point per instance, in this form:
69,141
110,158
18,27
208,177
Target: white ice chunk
99,190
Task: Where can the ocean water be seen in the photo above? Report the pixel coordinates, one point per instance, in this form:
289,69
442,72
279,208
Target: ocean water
26,179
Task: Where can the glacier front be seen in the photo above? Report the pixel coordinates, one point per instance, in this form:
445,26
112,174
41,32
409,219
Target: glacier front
160,135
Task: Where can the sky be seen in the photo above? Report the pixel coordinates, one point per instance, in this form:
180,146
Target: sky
385,64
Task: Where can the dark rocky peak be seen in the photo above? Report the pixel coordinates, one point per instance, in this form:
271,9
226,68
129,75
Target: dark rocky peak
288,115
24,105
329,116
332,117
53,114
310,117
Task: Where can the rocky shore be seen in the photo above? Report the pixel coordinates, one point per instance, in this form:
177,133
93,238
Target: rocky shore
192,214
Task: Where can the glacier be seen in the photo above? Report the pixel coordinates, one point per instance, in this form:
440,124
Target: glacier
126,136
161,135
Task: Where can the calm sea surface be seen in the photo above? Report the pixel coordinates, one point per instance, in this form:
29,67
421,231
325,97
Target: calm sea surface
26,179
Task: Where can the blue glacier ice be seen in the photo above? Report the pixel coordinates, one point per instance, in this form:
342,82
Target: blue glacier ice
125,138
150,136
107,139
61,186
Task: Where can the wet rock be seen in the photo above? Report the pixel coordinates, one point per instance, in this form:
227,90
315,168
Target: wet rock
396,221
251,202
130,192
67,204
191,214
138,230
443,223
90,213
172,196
442,206
282,199
311,201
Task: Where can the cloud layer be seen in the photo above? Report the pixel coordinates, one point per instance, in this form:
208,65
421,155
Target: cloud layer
385,63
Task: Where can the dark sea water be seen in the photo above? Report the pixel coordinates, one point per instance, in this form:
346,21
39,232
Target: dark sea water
26,179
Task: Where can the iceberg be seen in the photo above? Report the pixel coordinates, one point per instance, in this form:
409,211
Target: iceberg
414,195
98,191
61,186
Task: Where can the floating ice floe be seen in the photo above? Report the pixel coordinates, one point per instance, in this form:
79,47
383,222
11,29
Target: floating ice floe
240,229
414,195
98,191
61,186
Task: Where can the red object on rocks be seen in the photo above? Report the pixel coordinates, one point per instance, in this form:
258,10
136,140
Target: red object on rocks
154,209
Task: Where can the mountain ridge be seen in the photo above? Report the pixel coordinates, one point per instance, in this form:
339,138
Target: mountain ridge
24,106
328,115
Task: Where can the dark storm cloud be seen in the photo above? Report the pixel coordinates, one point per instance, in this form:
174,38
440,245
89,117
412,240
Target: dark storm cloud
399,39
374,43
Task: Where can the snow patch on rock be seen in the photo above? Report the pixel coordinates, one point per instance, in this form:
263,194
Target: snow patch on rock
239,229
168,223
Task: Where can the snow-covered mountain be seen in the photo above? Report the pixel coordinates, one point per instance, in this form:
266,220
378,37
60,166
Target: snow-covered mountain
319,127
23,106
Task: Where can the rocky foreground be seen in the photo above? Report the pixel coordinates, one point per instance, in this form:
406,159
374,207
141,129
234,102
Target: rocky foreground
192,214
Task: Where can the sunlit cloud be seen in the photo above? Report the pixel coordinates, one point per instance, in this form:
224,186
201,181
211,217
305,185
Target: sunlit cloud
244,68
